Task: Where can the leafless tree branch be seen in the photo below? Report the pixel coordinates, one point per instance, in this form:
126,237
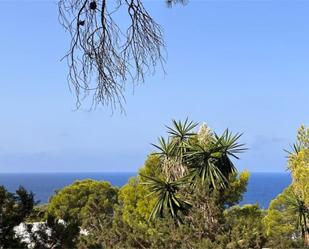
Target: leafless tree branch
104,55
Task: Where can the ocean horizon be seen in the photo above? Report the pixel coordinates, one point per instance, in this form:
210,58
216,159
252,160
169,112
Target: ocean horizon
262,186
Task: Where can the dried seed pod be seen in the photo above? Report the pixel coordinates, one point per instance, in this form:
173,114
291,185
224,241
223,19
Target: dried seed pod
93,5
81,23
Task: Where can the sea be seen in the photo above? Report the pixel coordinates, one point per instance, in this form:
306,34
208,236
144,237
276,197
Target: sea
261,189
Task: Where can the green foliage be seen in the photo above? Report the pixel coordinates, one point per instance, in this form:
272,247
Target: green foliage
282,223
134,197
152,166
38,213
14,208
131,222
54,234
237,186
76,202
129,226
245,227
299,165
88,205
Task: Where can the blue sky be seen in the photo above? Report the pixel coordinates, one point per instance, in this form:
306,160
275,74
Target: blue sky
241,65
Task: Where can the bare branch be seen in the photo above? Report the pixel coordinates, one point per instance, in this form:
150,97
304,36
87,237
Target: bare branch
102,56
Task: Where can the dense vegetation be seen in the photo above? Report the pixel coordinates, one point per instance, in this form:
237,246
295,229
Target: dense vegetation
186,195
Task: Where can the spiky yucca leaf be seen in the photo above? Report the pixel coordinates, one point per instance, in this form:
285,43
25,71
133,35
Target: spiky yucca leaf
166,148
227,142
297,206
295,149
167,199
211,165
172,150
182,130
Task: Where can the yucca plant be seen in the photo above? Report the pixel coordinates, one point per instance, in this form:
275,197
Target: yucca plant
297,206
210,163
188,158
172,150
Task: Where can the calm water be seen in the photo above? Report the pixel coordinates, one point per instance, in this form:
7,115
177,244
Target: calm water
262,187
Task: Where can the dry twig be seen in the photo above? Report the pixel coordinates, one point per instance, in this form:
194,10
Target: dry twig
103,56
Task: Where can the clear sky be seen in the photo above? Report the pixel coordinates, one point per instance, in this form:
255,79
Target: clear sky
242,65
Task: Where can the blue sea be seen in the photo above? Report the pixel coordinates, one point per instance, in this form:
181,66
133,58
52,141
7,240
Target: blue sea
262,187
